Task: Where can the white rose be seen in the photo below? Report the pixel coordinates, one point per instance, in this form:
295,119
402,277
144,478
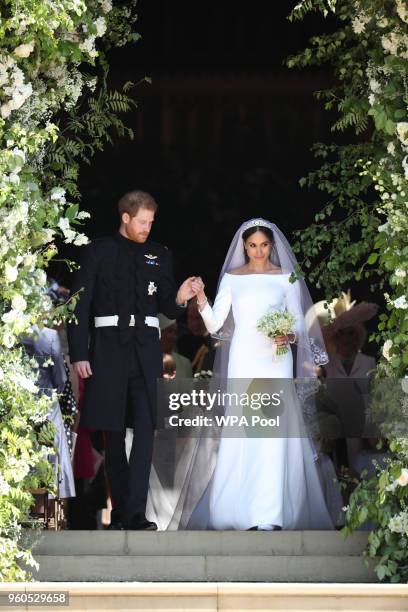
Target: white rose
19,303
6,109
63,224
48,234
106,5
401,302
9,317
402,132
14,178
58,193
402,10
28,384
41,277
403,478
11,273
400,273
80,240
391,148
19,153
24,50
375,86
29,261
8,340
70,236
100,25
386,349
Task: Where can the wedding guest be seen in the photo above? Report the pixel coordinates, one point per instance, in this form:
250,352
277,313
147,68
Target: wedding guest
168,343
45,346
169,367
197,344
350,367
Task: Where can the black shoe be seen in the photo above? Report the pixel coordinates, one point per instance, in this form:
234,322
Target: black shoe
116,521
140,523
116,526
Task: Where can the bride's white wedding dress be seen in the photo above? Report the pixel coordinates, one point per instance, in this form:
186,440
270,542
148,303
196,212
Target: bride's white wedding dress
262,481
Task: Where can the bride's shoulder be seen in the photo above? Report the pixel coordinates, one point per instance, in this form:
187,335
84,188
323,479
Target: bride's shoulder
237,271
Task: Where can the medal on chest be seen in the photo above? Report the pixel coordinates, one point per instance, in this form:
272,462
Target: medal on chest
151,288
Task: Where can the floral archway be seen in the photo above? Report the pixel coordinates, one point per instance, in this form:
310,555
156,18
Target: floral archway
362,231
52,57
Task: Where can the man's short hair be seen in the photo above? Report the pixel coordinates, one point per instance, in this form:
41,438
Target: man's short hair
133,201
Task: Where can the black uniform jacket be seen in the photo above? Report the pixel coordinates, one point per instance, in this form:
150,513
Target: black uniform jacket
119,277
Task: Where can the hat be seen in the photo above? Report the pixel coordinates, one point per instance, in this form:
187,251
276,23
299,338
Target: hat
348,314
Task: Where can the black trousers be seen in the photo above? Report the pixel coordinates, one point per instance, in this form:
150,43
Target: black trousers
129,480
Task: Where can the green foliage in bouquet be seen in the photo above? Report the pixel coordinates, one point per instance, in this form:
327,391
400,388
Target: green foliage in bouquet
56,110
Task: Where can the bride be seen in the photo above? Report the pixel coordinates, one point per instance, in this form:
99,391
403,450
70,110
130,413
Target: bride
261,483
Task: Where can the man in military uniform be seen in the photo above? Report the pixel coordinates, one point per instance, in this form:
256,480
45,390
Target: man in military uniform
124,281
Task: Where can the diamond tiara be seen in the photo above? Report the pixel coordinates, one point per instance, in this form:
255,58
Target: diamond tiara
257,222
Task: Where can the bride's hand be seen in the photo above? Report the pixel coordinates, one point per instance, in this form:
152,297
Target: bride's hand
200,295
283,340
198,288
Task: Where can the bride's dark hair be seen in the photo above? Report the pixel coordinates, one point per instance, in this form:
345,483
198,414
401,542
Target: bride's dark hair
258,228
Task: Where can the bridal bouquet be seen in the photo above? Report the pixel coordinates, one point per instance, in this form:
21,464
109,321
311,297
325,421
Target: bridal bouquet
277,323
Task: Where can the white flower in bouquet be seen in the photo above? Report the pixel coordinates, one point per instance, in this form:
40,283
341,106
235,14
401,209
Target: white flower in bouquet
277,323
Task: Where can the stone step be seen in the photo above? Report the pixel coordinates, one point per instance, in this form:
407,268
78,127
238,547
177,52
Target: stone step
193,543
200,556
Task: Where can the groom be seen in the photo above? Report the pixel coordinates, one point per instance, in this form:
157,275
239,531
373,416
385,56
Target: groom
124,281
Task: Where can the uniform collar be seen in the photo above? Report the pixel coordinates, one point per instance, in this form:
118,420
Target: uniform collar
131,245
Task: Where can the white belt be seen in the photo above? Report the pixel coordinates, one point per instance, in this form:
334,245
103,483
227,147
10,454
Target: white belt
112,321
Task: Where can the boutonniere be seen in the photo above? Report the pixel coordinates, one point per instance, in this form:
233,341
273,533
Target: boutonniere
152,288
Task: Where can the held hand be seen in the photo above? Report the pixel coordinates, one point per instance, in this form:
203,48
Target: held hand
82,369
198,287
186,291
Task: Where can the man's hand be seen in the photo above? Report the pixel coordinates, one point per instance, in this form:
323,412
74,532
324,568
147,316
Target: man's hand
186,291
82,369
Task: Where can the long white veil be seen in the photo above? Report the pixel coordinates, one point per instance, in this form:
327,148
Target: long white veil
193,468
311,350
